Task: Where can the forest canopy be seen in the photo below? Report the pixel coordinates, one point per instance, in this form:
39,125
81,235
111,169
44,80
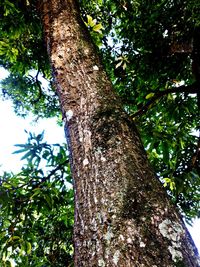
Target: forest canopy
151,52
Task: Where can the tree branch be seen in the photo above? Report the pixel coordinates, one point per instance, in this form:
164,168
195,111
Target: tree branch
190,89
44,179
39,88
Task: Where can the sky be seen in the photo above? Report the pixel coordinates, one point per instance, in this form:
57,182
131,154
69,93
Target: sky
13,132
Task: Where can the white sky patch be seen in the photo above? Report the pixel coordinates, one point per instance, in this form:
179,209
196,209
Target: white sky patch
195,232
13,132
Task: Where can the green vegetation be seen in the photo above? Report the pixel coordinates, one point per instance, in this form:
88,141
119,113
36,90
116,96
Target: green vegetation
36,215
151,51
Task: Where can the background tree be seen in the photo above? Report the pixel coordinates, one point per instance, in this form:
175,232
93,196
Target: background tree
145,36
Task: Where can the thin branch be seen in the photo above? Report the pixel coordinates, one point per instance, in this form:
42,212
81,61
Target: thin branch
44,179
190,89
39,87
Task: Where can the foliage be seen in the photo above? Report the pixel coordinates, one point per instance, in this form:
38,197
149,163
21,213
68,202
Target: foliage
22,51
148,49
36,214
42,102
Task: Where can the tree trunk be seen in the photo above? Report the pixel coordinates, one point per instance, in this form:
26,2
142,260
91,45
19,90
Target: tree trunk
122,214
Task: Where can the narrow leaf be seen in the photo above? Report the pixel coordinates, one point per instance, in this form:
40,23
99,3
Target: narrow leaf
97,28
150,95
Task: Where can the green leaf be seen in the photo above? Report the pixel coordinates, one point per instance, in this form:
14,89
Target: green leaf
169,182
2,234
28,247
49,200
37,191
150,95
118,64
19,151
40,137
28,154
97,28
6,185
15,237
90,21
21,145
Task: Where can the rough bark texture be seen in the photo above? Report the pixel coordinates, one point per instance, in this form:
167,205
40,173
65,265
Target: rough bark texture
122,214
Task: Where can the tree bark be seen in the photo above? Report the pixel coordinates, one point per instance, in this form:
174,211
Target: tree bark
122,214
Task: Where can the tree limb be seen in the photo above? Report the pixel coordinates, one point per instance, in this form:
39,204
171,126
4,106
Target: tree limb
190,89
